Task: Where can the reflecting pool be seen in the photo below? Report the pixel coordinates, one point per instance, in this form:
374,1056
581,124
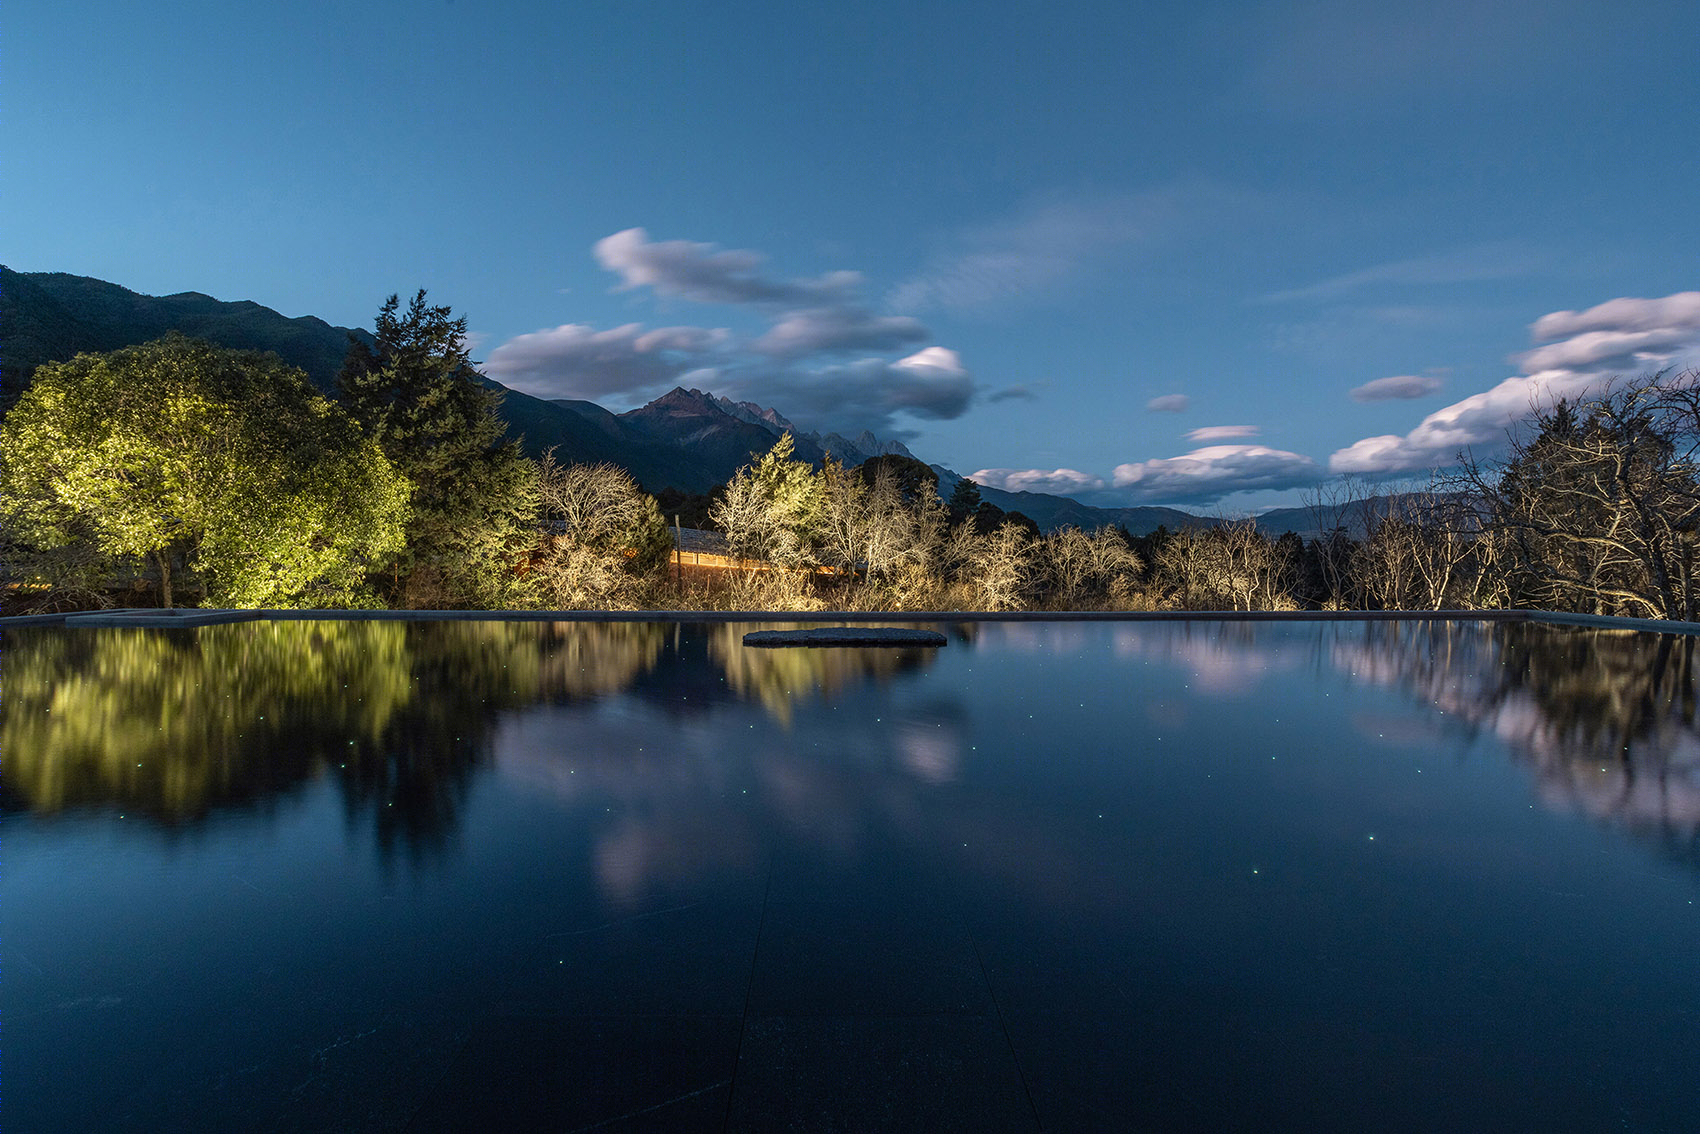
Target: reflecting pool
1064,876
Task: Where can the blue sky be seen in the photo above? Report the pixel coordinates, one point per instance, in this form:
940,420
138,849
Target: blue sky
1136,253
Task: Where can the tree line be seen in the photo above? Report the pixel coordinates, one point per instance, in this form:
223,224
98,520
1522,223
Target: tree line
178,471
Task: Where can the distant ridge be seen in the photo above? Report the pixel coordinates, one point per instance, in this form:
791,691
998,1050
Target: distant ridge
53,316
690,440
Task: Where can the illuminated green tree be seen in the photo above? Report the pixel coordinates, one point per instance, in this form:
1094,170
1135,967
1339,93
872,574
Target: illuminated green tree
773,510
474,496
224,469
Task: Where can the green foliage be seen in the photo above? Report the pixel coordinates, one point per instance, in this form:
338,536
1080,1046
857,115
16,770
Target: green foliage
964,500
174,725
415,390
223,465
773,510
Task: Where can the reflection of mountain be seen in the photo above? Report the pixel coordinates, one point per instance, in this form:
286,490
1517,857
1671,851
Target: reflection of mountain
1605,718
176,724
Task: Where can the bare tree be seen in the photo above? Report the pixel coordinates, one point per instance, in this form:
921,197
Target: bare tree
1088,570
1599,509
1003,568
845,518
1340,513
1426,553
602,537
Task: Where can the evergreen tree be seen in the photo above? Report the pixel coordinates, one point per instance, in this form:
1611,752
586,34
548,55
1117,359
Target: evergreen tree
964,500
474,500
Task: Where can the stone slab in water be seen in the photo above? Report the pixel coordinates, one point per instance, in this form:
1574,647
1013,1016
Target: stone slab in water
845,636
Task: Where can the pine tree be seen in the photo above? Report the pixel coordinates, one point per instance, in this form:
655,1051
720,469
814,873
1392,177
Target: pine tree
964,500
416,391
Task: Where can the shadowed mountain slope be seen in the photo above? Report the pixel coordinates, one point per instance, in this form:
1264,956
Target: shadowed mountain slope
685,439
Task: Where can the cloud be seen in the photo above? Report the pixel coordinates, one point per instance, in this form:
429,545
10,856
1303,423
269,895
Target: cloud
1061,482
808,318
1619,337
1497,260
1013,393
1605,349
1208,474
1169,403
706,274
1222,432
821,330
577,361
1053,241
1679,310
866,394
1398,386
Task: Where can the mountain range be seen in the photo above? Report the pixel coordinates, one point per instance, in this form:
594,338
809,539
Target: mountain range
690,440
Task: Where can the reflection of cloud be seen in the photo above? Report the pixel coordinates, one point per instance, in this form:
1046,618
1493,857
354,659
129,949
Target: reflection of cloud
1062,639
1224,658
930,751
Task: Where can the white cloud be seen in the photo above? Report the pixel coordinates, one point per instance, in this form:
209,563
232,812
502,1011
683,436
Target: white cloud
1061,482
706,274
1396,387
578,361
820,330
809,318
1679,310
1622,337
1222,432
1612,349
1169,403
1215,471
866,394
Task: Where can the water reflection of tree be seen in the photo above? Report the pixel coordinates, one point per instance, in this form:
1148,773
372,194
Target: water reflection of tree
173,725
777,678
1606,718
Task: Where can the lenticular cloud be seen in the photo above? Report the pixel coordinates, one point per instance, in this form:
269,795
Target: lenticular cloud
1582,352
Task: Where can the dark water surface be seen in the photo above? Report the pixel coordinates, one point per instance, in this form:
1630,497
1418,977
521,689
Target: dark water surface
399,876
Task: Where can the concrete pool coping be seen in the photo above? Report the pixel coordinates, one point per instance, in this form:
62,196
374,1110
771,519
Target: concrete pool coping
192,617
